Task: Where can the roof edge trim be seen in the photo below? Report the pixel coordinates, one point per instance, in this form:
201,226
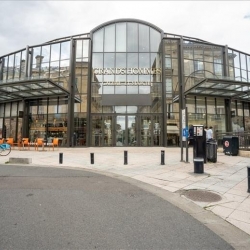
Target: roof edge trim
125,20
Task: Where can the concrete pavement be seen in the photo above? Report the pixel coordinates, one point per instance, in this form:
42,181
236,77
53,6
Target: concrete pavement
227,177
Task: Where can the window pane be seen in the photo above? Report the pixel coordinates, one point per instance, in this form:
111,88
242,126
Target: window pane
97,60
98,41
236,59
143,38
120,89
144,60
85,48
46,53
132,38
243,61
109,60
132,60
155,40
121,37
65,50
79,49
120,60
109,42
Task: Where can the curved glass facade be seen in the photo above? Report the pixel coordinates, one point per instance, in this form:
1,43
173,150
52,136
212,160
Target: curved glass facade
126,85
123,84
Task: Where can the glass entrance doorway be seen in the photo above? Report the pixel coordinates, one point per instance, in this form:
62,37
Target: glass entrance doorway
138,130
126,130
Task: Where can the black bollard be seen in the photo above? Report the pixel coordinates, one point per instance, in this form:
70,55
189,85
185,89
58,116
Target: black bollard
60,158
198,165
92,158
248,177
162,157
125,157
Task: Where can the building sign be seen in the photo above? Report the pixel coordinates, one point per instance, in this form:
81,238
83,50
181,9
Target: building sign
127,71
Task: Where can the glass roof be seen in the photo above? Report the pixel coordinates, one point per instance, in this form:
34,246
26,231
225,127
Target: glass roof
30,88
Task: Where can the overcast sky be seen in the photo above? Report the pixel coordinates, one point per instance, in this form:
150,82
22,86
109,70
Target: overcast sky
34,22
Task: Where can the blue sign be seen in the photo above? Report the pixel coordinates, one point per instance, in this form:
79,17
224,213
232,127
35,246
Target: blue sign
185,132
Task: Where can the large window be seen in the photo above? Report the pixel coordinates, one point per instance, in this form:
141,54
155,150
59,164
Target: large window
126,61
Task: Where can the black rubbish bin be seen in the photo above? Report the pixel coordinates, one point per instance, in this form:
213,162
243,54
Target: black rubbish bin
212,150
198,165
231,145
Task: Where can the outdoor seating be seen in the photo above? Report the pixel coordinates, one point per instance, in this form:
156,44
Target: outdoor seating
10,141
39,142
25,142
55,143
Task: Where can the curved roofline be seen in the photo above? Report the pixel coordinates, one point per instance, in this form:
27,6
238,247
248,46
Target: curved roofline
126,20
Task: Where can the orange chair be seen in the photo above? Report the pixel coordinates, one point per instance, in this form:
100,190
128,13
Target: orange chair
10,141
1,140
39,142
25,142
55,143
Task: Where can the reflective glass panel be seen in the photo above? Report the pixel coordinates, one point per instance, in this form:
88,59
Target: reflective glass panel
98,41
236,59
97,60
109,60
45,53
121,37
120,60
243,61
155,40
85,48
132,37
109,40
65,50
79,47
144,60
143,38
55,52
132,60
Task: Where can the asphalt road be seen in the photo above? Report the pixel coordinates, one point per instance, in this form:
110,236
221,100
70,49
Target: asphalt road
53,208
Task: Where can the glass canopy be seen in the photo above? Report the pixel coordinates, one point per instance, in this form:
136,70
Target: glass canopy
30,88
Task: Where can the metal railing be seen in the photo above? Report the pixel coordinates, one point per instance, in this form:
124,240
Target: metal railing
244,139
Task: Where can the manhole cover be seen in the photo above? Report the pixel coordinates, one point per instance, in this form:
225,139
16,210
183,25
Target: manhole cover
201,195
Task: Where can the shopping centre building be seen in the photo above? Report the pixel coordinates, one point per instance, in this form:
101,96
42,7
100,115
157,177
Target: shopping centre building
125,83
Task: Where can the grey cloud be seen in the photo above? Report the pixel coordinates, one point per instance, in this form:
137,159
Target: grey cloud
247,16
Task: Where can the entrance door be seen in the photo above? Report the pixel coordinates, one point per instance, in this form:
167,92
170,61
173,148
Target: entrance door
126,130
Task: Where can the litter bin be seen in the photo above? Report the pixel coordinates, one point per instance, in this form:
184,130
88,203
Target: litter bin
231,145
198,165
212,150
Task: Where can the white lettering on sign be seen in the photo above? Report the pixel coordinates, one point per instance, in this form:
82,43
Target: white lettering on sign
128,71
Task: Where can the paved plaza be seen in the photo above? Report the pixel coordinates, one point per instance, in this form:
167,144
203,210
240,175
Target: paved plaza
226,178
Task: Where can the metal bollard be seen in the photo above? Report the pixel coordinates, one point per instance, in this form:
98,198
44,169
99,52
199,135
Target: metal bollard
162,157
125,157
248,177
92,158
60,158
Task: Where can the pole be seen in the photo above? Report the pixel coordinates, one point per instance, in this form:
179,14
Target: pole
60,158
162,157
125,157
92,158
186,135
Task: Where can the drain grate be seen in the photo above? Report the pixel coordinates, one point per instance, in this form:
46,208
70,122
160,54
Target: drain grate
201,195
